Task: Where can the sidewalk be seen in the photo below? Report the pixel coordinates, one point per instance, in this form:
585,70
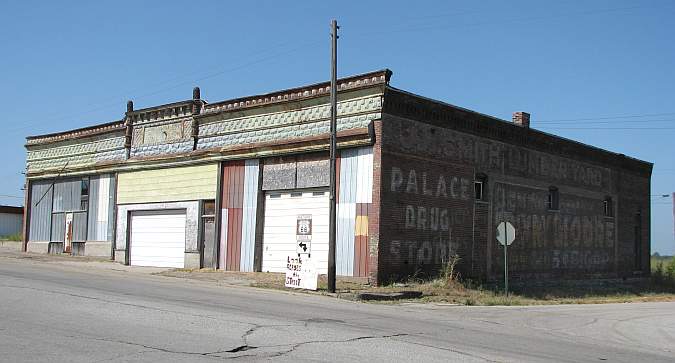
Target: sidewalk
436,292
76,261
218,277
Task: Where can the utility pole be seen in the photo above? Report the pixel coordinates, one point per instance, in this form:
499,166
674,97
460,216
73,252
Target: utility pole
333,152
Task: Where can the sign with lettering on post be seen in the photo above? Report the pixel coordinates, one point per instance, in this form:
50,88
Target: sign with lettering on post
303,234
301,273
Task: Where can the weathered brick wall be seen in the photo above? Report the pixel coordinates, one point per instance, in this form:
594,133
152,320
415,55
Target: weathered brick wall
426,214
374,212
430,155
633,219
576,240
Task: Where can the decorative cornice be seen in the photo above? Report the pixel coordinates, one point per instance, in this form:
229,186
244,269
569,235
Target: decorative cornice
75,134
160,113
346,138
187,108
306,92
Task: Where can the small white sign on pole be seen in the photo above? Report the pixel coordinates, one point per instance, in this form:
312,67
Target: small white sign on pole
301,273
303,234
506,233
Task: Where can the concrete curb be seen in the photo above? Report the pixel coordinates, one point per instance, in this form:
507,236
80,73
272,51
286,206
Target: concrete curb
389,296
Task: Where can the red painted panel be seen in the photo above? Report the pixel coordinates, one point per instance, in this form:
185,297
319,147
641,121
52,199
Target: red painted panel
233,184
232,199
361,245
234,238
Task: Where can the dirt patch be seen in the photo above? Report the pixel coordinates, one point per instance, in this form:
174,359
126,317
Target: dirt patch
450,292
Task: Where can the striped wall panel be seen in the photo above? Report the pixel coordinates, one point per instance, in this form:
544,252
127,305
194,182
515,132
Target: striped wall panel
361,239
10,224
58,227
67,195
346,209
238,209
249,215
223,238
79,226
41,211
101,188
354,199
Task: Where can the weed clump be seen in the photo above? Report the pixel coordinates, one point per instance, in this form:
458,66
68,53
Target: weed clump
663,274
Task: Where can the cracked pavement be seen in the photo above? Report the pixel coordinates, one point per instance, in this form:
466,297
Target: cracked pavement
73,312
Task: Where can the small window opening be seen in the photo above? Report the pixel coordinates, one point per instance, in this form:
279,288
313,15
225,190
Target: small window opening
608,206
479,186
553,198
209,208
84,194
296,194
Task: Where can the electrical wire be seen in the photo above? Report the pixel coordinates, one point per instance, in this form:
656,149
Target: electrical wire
609,117
607,128
520,20
29,124
602,122
99,107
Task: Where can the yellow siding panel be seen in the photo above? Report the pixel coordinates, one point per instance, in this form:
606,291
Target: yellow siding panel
168,185
361,226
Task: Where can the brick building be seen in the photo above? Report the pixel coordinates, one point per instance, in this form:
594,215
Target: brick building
228,185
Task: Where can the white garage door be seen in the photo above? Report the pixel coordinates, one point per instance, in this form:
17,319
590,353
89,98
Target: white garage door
157,238
281,213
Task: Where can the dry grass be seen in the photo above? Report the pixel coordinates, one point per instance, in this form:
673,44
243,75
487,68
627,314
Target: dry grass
449,289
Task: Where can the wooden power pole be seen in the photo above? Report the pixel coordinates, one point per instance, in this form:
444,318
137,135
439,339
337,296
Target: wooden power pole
333,152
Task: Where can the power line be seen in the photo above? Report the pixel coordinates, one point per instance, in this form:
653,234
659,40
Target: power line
29,124
604,121
609,117
507,21
607,128
10,196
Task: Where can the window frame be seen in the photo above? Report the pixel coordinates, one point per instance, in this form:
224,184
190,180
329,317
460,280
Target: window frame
608,207
553,202
480,181
84,198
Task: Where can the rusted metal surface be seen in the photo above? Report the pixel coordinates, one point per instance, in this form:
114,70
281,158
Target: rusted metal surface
354,198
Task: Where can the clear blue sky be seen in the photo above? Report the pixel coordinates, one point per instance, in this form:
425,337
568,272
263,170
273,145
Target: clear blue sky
70,64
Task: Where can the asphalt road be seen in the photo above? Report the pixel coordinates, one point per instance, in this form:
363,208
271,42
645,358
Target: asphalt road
51,312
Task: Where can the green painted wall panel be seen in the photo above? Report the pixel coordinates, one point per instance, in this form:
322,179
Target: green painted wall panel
167,185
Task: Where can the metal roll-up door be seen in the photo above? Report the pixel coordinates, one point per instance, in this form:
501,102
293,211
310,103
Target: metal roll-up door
157,238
